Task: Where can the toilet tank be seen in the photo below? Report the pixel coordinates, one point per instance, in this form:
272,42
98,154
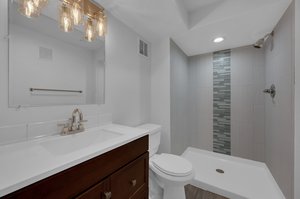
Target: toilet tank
154,137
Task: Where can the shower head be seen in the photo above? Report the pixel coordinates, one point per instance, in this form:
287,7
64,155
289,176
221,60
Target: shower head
260,43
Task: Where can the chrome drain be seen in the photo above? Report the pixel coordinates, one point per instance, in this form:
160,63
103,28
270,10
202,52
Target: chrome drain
220,171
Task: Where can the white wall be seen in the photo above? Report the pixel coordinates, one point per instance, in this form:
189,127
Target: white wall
279,141
160,90
297,101
201,101
97,76
180,137
123,66
128,76
247,103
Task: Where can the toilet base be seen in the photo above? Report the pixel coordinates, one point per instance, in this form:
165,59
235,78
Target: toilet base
172,186
155,190
174,192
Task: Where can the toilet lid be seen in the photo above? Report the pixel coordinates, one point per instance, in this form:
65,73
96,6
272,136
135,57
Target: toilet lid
173,165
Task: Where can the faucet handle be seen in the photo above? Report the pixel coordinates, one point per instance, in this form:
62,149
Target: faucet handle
65,128
65,124
81,126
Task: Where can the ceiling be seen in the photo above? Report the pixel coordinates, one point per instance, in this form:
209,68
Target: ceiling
193,24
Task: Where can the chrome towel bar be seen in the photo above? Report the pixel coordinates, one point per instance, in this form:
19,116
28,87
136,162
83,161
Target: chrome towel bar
55,90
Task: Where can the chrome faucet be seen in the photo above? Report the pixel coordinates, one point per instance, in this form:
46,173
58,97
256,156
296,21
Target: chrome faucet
74,124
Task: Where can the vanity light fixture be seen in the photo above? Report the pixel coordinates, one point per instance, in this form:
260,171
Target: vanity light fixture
39,4
101,24
219,39
95,19
28,8
89,30
71,12
77,12
65,18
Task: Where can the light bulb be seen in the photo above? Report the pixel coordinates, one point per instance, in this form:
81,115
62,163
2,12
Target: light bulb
77,13
40,3
89,30
100,27
28,8
66,21
101,24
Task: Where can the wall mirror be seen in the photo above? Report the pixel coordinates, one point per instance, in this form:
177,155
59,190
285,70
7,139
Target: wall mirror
48,66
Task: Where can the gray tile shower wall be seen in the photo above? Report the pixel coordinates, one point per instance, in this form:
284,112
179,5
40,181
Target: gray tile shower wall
221,102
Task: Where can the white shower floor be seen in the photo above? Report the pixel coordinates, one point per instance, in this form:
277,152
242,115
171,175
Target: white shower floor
241,179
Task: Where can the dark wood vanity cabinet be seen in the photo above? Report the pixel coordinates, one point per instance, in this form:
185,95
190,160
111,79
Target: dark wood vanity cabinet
131,180
118,174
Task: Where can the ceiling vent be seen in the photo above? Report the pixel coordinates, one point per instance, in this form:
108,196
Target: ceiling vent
143,48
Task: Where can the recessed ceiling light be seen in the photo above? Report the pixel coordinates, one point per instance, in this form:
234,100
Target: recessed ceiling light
218,39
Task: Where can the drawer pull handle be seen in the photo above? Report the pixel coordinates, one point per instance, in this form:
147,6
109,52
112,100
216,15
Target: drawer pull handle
107,195
133,183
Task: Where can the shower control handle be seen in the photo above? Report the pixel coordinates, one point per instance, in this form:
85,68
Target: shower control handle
271,91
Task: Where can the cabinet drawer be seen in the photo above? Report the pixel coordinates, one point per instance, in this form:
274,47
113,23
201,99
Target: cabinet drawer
99,191
131,179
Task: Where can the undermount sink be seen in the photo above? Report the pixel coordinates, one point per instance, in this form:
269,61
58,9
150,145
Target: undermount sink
70,143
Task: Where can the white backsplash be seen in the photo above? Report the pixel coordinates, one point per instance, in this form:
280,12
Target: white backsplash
8,134
23,132
41,129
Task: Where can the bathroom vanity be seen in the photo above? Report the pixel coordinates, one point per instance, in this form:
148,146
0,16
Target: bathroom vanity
116,168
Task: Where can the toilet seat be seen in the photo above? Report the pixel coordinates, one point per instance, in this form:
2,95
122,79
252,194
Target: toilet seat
172,165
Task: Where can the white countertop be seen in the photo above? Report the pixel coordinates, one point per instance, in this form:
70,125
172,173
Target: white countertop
25,163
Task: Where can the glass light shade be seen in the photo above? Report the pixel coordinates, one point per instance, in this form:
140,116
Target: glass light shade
65,18
101,26
28,8
77,12
89,30
40,3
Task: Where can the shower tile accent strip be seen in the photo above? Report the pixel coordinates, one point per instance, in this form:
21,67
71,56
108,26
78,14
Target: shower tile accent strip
221,101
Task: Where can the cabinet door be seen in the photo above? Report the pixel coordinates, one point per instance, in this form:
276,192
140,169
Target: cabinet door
141,194
132,180
99,191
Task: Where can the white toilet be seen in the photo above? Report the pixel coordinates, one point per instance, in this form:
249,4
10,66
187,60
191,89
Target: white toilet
167,171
